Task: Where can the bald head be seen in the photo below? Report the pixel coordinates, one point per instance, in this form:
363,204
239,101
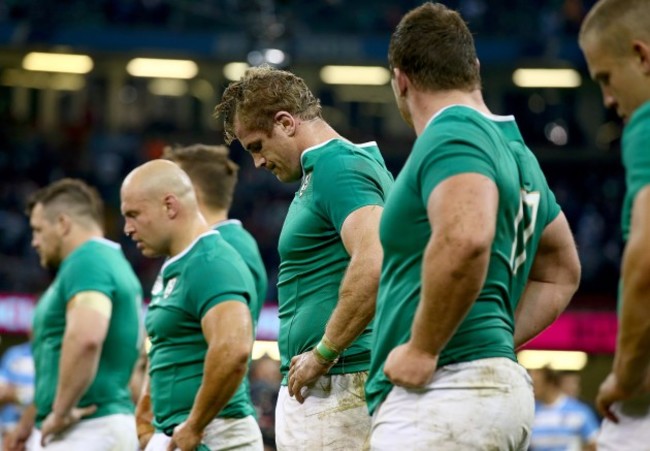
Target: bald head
160,209
157,178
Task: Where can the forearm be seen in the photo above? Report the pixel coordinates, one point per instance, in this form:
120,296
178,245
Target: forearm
28,418
633,349
452,278
540,305
356,305
77,369
224,369
143,411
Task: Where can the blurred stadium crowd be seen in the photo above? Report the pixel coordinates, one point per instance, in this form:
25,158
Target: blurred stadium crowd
537,19
588,189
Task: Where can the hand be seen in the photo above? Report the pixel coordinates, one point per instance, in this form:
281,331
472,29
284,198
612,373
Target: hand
16,439
144,420
185,438
55,424
609,393
409,367
143,439
304,370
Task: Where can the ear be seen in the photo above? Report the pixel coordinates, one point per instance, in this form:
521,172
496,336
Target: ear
642,51
171,206
286,122
402,82
63,224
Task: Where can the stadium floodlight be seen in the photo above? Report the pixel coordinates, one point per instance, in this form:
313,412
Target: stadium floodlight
172,87
18,78
235,70
557,360
355,75
162,68
546,78
58,62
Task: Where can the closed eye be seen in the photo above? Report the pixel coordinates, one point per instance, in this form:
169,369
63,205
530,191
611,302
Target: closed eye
602,79
254,147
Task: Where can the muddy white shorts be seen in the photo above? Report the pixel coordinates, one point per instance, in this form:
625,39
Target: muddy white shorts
334,416
485,404
632,432
242,434
109,433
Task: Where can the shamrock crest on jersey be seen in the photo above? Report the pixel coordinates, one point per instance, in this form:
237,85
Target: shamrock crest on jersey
169,288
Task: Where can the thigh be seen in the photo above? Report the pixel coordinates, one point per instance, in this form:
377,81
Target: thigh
334,416
233,433
487,405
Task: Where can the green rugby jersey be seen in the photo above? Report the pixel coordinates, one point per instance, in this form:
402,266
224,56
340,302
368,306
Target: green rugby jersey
636,161
205,274
460,140
96,265
238,237
244,243
338,178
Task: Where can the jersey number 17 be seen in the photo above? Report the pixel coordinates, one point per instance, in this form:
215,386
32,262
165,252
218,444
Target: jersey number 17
524,227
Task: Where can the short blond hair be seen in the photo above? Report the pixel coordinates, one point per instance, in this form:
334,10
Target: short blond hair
259,94
616,22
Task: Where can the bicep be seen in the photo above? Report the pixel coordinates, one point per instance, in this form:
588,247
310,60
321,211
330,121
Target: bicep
557,256
88,315
464,208
360,231
227,321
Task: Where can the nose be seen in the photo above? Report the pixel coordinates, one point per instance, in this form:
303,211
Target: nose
128,229
34,242
259,161
608,100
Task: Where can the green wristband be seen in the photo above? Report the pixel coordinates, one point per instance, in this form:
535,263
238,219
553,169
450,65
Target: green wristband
327,352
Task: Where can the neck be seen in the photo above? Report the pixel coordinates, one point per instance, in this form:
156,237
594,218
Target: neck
187,232
314,132
424,105
78,237
213,217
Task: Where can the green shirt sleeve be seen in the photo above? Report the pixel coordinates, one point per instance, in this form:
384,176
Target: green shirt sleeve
636,155
83,272
345,184
448,155
215,281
